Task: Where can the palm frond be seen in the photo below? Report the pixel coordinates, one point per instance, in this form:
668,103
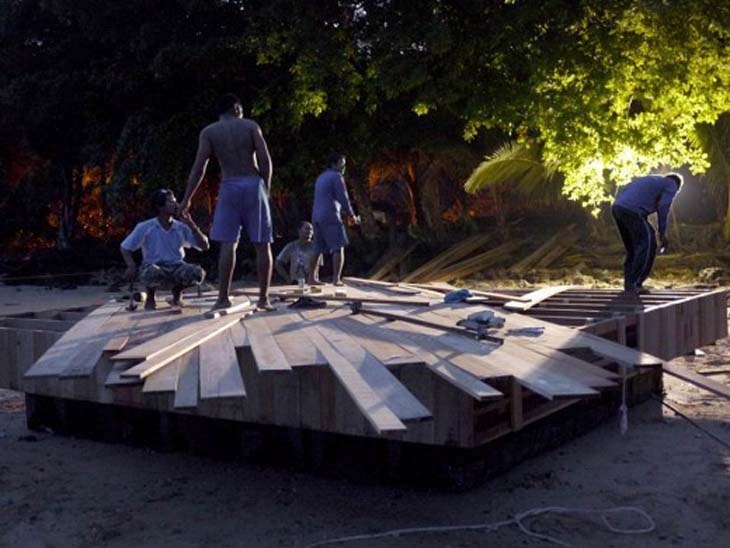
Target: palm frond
520,167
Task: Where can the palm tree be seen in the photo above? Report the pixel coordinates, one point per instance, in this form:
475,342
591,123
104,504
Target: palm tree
521,167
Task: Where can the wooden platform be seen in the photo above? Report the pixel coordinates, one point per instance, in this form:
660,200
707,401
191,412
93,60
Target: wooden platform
413,377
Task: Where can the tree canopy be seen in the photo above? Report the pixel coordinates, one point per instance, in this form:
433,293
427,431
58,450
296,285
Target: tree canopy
602,90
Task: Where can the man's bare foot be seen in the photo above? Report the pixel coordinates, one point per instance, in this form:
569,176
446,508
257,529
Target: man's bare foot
265,306
338,283
179,303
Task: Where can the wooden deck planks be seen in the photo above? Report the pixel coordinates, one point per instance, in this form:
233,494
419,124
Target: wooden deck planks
461,379
165,379
163,342
556,336
535,297
207,330
186,395
533,371
88,332
220,373
405,406
376,412
266,350
292,337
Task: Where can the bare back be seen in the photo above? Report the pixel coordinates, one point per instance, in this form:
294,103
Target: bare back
233,143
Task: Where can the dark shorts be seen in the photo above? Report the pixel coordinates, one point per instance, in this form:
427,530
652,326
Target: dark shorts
329,237
242,201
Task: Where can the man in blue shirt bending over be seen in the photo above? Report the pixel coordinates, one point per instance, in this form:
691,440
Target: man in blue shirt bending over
330,199
634,203
162,240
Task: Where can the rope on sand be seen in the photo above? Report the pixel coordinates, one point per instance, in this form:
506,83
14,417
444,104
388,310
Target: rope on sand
518,520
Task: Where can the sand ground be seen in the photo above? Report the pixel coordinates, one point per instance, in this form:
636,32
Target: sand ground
60,491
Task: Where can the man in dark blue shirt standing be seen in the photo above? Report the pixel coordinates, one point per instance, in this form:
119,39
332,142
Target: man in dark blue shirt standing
330,199
635,202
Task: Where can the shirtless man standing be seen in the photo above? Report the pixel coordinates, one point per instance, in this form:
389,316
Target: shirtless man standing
243,199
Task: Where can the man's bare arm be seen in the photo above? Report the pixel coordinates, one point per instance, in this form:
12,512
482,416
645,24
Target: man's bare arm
263,158
198,170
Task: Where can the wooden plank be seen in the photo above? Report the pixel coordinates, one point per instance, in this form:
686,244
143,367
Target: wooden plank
535,297
208,330
115,376
477,263
87,330
158,345
291,331
165,379
697,379
450,255
116,343
398,399
454,375
385,351
238,335
186,395
220,374
516,415
36,324
394,258
266,351
534,371
556,336
378,415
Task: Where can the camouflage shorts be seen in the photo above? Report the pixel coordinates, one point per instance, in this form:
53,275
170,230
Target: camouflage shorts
183,274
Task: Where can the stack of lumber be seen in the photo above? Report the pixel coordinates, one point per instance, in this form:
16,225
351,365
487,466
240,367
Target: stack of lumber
458,261
393,258
548,252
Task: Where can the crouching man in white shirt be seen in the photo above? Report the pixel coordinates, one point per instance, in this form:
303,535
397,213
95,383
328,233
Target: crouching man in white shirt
163,240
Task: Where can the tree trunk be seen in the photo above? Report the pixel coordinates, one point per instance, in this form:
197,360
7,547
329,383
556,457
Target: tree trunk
361,197
70,202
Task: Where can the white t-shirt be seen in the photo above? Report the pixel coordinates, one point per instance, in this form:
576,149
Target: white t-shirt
160,245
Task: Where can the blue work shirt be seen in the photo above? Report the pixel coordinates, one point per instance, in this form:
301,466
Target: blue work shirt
159,245
330,197
647,195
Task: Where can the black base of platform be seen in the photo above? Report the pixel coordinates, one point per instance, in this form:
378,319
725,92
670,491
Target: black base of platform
352,457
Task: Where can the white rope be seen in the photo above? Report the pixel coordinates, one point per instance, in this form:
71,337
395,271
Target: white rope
623,410
517,520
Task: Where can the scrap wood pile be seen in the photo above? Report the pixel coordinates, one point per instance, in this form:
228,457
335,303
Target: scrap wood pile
478,253
404,367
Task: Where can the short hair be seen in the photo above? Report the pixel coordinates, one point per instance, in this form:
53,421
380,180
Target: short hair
333,157
159,198
226,103
677,178
305,223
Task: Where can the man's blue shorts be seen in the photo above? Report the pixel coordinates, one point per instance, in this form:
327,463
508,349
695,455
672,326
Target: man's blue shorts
242,201
329,237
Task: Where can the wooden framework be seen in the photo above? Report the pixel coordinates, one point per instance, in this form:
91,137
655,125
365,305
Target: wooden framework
330,370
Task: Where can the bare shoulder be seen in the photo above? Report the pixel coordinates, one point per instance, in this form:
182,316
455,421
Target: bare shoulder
249,124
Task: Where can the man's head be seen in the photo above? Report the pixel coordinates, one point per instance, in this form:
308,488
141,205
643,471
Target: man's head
677,178
306,231
164,202
336,161
229,104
